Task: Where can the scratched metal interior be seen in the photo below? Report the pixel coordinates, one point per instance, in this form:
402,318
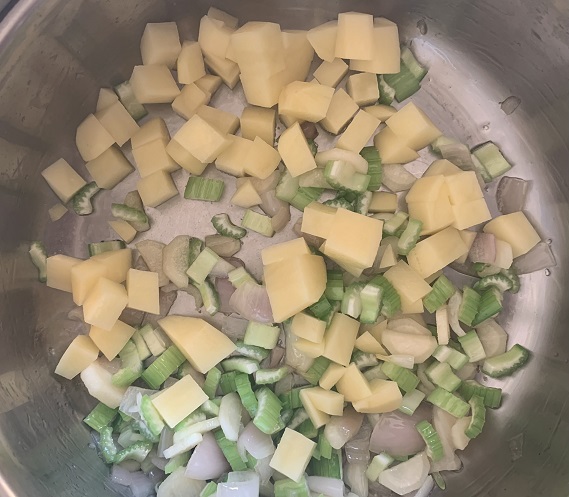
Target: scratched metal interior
54,56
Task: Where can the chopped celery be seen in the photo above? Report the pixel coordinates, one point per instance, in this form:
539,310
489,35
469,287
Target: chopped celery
492,396
512,275
405,378
251,351
258,223
151,416
307,429
472,346
195,417
324,446
240,276
455,359
334,286
246,394
507,363
441,375
386,92
291,399
210,407
289,488
478,417
153,339
107,445
81,201
195,249
343,176
340,203
492,159
331,468
130,214
136,452
375,373
392,226
177,462
39,259
210,490
408,81
200,269
322,308
163,367
207,189
299,417
268,411
409,237
261,335
391,302
364,360
435,448
211,383
351,303
287,187
230,452
361,204
131,366
132,105
442,290
223,225
102,247
370,298
316,371
469,306
379,463
100,417
490,305
269,376
375,169
141,347
411,400
448,402
305,195
240,364
227,382
209,296
499,281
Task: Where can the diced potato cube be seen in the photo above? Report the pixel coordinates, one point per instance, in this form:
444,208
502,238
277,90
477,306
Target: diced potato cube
203,345
294,284
442,166
246,196
227,19
353,384
178,401
463,187
367,343
308,327
468,239
355,36
63,179
295,152
104,304
118,122
123,229
413,126
160,44
183,158
470,214
111,341
326,401
258,47
358,132
386,397
409,307
288,121
389,258
142,289
316,416
381,112
265,91
318,219
233,159
209,83
516,230
298,54
342,109
284,250
340,339
152,157
80,353
420,347
331,73
92,139
308,101
58,271
107,97
427,189
292,455
383,202
407,281
153,84
189,100
84,276
386,52
331,376
110,168
376,330
310,349
156,188
323,40
151,130
116,262
201,139
435,216
224,121
57,212
393,149
214,37
190,64
227,70
363,88
257,121
262,159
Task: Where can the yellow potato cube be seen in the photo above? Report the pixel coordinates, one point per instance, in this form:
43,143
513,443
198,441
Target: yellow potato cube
104,304
386,397
353,384
295,152
468,239
331,376
226,69
392,149
246,196
470,214
220,15
310,349
383,202
142,289
118,122
308,327
288,121
386,52
317,417
292,455
123,229
323,40
342,109
214,37
258,48
106,98
435,216
233,159
111,341
63,180
153,84
363,88
294,284
284,250
409,307
331,73
308,101
257,121
389,258
326,401
58,271
340,339
298,55
463,187
152,157
413,126
189,100
358,132
209,83
57,212
367,343
203,345
376,330
381,112
184,159
224,121
156,188
160,44
318,219
407,281
262,159
420,347
151,130
516,230
84,276
201,139
355,36
178,401
427,189
116,262
80,353
110,168
92,139
190,64
442,166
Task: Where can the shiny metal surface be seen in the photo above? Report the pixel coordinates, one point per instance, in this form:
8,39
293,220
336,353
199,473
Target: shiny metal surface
54,56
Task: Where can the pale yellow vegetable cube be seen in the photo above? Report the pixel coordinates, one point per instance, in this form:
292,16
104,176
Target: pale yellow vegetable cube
326,401
92,139
201,139
342,108
318,219
331,376
224,121
376,330
160,44
118,122
317,417
284,250
504,255
340,339
104,304
288,121
123,229
257,121
463,187
323,40
233,159
367,343
295,152
203,345
470,214
383,202
407,281
142,289
246,196
63,180
392,149
358,132
190,64
435,216
308,327
57,212
413,126
310,349
294,284
293,454
84,276
152,157
389,258
442,166
58,271
298,54
331,73
116,262
156,188
427,189
80,353
516,230
214,37
386,397
420,347
113,340
308,101
226,69
106,98
209,83
110,168
363,88
184,158
227,19
99,384
468,239
381,112
353,384
153,84
262,159
386,52
189,100
355,36
262,91
151,130
409,307
178,401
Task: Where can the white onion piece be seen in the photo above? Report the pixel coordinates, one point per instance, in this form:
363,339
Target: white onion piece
270,204
511,194
425,386
397,178
458,433
280,220
138,482
129,403
221,269
468,371
538,258
276,357
258,444
251,301
426,488
230,416
264,185
239,484
293,357
356,479
159,462
340,429
234,327
356,160
130,465
332,487
224,246
483,249
403,360
407,476
357,449
166,440
121,475
225,290
207,461
179,484
453,306
264,470
443,423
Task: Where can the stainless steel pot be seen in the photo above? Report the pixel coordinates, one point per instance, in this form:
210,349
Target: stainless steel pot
54,56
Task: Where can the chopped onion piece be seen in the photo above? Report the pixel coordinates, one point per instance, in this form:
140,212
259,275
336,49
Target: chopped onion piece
355,476
426,488
407,476
270,204
234,327
405,361
483,249
340,429
251,301
357,449
276,357
538,258
280,220
239,484
230,416
397,178
258,444
207,461
332,487
225,290
511,194
453,306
